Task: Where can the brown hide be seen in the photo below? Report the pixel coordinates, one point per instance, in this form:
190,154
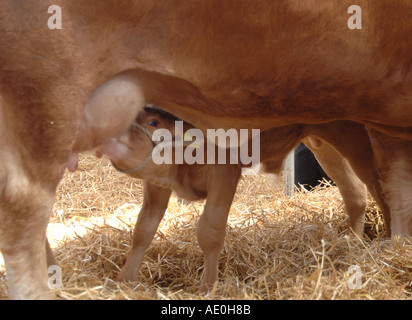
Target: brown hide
242,64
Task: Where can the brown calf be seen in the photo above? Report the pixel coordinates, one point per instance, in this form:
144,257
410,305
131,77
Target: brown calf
131,153
217,182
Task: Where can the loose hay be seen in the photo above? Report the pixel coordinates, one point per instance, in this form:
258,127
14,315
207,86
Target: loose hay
276,247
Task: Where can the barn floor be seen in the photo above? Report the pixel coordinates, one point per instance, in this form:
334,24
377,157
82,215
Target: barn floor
276,247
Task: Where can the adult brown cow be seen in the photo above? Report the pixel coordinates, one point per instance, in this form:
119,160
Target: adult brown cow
242,64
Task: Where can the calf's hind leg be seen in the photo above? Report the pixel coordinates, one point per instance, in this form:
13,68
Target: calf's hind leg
221,188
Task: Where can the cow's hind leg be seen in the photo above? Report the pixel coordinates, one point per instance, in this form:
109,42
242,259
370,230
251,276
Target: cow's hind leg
51,261
32,162
393,157
25,208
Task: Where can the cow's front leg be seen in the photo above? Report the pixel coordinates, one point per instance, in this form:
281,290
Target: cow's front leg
352,142
393,157
352,189
155,202
221,188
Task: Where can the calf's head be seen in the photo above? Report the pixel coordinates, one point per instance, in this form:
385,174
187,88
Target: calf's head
132,151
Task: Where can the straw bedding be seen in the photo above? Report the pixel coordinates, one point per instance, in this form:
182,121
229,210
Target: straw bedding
276,247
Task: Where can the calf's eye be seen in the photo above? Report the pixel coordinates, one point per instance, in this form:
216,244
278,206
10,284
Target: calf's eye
153,123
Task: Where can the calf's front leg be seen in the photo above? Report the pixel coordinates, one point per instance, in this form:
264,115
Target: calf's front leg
155,201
